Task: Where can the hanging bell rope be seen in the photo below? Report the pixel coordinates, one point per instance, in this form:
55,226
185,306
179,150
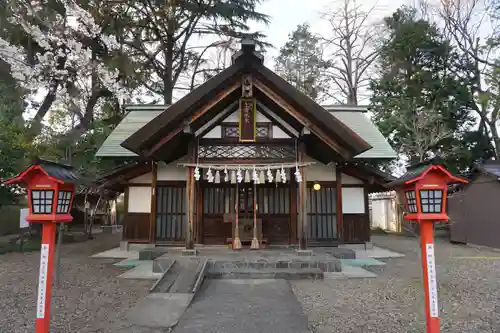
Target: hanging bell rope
257,167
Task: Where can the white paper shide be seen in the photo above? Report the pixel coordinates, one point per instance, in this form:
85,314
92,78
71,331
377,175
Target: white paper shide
431,275
42,281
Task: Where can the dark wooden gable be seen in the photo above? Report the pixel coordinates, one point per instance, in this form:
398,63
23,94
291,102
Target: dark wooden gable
177,125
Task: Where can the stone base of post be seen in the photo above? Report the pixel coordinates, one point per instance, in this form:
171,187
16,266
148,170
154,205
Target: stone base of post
255,244
189,252
237,243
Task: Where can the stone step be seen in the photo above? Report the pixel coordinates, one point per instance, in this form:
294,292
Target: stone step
151,253
266,273
342,253
333,265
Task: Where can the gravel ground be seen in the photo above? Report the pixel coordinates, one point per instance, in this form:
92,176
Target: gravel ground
469,293
89,299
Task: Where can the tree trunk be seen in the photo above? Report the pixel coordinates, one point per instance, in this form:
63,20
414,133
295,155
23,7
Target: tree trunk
496,140
352,98
168,85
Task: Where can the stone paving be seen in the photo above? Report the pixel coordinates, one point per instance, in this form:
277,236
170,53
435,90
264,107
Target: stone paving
245,306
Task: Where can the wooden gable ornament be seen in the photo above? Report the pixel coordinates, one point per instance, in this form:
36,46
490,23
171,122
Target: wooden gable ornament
248,110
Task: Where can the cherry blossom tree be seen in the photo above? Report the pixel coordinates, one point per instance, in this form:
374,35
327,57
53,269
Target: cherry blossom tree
60,53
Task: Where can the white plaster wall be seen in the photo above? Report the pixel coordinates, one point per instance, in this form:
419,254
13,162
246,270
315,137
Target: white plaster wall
346,179
384,211
321,172
353,200
214,133
139,199
170,172
318,171
144,179
278,133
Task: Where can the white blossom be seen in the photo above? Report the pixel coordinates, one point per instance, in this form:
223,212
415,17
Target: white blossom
63,58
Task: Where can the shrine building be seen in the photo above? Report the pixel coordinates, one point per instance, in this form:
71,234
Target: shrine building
246,148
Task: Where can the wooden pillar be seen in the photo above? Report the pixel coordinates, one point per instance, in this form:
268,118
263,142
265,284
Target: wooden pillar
293,211
125,209
189,212
340,214
152,217
367,213
302,206
190,198
199,214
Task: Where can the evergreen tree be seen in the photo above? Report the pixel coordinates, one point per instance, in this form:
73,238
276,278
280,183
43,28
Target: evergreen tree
418,101
12,145
300,62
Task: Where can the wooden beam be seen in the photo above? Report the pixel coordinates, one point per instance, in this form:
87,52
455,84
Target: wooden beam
340,214
301,118
286,127
211,124
305,131
219,97
152,217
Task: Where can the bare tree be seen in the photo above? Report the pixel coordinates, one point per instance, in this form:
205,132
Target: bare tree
212,59
469,24
352,48
426,129
166,36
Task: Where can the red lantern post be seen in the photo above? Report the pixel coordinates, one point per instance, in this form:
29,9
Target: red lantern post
424,189
50,195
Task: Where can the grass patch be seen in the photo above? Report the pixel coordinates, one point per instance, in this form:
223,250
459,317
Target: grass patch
30,246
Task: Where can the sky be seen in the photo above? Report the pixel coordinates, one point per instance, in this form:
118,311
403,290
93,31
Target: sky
287,14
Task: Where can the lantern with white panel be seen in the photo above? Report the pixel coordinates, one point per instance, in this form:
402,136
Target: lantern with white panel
51,188
424,190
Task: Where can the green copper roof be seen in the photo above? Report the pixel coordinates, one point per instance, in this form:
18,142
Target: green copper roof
352,116
134,120
364,127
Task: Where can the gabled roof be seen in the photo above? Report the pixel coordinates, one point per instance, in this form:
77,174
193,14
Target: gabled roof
61,173
419,170
133,121
354,117
180,112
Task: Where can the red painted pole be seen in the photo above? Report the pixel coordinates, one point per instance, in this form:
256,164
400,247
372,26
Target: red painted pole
429,274
45,277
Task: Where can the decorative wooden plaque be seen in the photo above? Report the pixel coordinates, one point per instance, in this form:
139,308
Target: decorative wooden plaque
247,120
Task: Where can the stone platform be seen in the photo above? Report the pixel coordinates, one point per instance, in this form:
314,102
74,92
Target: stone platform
283,263
330,262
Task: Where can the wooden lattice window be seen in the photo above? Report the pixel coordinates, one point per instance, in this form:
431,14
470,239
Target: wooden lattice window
263,130
255,151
